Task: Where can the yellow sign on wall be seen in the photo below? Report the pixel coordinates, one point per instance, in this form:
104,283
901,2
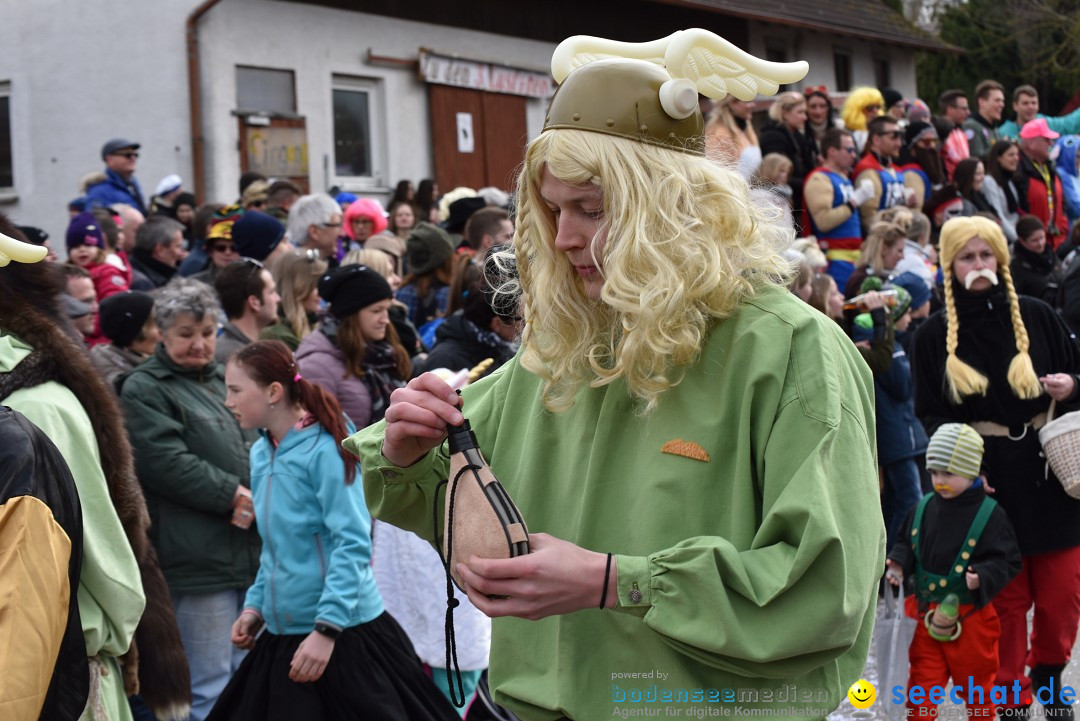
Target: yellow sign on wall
277,152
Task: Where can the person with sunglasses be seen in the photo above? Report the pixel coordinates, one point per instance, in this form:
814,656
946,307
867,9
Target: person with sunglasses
119,184
877,167
832,204
862,105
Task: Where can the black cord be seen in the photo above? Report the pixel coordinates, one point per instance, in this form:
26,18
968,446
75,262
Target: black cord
452,667
607,577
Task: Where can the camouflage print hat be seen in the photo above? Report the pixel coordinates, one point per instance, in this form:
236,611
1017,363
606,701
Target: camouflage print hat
955,448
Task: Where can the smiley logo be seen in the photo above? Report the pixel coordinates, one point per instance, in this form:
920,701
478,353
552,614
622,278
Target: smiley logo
862,694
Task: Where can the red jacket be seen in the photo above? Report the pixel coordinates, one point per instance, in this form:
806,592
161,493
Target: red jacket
108,280
1032,188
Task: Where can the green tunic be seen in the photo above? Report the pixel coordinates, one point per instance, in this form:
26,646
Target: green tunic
756,569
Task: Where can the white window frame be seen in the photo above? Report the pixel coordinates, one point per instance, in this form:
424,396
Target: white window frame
377,124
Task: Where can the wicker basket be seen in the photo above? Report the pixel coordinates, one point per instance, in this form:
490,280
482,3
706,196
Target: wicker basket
1060,440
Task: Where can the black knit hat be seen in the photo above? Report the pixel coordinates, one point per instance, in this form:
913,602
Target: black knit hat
892,97
123,315
351,288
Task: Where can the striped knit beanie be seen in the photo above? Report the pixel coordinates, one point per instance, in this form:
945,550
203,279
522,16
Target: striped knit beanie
955,448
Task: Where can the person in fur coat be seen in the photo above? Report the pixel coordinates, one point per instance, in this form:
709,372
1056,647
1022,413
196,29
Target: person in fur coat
123,599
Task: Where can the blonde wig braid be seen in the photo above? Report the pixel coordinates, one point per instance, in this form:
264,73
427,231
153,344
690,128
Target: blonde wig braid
963,379
685,246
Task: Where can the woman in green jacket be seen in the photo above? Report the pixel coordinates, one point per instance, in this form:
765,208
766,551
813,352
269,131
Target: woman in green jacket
192,459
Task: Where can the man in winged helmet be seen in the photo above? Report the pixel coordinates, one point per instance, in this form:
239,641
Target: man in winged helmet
691,446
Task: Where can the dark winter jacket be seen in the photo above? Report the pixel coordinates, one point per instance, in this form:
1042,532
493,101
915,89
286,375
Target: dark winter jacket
944,527
191,455
1036,274
900,435
154,271
1043,516
460,344
778,138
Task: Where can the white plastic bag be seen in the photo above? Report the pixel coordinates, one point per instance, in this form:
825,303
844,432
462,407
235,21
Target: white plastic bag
891,643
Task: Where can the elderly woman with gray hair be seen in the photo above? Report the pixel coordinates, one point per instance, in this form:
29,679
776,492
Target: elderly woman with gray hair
192,460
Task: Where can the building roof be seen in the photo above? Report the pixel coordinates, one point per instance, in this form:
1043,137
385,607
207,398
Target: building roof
867,19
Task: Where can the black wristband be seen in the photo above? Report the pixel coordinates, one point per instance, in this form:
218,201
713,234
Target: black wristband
327,630
607,577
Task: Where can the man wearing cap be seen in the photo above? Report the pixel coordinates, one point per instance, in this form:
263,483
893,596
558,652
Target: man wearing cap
670,428
994,360
168,189
1037,180
120,185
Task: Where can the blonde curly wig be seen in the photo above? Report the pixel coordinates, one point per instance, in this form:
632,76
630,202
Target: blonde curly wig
685,246
856,103
963,379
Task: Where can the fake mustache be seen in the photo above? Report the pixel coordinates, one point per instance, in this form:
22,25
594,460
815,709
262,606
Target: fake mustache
981,273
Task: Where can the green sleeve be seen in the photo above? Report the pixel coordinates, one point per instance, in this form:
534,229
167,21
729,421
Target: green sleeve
1066,124
404,497
400,496
795,599
165,464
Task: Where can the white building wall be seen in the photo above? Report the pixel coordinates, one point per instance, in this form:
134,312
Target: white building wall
817,49
336,42
81,73
84,72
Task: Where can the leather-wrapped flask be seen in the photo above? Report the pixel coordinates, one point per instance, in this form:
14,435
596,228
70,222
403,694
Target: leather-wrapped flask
479,518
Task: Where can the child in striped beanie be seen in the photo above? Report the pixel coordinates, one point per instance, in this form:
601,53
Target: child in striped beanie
956,542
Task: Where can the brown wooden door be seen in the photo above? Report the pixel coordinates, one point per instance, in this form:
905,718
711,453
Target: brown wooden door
498,137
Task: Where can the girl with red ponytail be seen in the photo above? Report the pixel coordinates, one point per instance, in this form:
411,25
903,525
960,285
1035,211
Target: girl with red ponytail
330,650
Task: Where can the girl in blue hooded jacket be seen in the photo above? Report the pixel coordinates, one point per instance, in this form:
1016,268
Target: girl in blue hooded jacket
329,649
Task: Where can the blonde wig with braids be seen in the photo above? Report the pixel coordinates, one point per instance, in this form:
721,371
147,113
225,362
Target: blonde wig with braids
963,379
684,246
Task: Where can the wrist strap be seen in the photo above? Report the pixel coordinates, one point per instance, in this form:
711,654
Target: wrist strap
607,578
325,629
